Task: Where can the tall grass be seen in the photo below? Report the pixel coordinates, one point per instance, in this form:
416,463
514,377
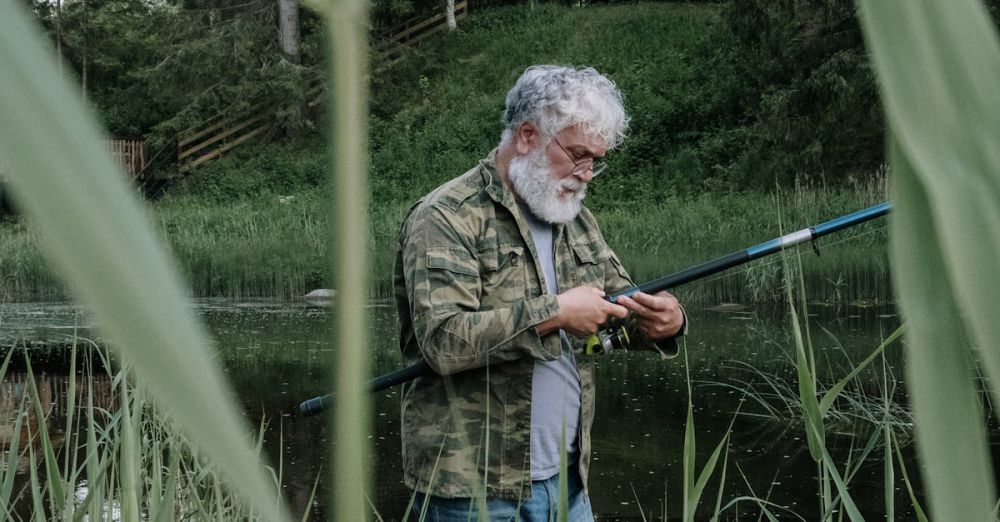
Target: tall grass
271,247
347,23
116,458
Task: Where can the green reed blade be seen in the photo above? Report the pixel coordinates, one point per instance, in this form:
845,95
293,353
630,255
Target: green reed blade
689,450
888,476
91,506
845,496
811,414
917,508
53,478
939,65
347,22
13,458
37,494
128,458
950,434
103,244
688,459
6,363
834,391
70,470
722,483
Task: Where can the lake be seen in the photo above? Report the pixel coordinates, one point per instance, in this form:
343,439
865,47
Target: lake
277,353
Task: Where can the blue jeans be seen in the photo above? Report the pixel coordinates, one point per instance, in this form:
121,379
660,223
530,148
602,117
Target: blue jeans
543,506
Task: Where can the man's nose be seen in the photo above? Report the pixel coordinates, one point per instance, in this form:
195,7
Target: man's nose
586,174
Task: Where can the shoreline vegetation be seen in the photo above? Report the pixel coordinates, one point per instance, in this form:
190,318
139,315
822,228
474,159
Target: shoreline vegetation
276,246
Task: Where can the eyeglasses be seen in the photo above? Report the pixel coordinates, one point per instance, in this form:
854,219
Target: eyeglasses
581,167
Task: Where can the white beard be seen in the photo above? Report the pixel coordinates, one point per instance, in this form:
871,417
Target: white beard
549,199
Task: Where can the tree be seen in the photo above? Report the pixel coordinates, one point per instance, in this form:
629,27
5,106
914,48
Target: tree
288,29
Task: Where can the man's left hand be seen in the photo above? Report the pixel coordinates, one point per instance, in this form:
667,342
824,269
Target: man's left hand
659,316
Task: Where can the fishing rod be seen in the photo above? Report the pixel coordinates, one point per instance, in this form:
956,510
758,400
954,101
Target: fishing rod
615,337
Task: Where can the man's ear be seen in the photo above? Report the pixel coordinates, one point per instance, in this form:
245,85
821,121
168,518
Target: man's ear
526,138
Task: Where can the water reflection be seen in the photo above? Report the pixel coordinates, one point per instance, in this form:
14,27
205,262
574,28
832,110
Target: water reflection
20,424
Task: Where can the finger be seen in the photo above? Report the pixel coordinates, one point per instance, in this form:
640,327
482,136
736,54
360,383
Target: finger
659,301
616,310
631,304
597,291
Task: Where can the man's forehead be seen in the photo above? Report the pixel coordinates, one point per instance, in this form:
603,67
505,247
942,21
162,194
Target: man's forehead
575,136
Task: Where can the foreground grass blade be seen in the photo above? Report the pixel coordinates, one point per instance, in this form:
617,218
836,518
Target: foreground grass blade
346,22
950,433
100,240
918,510
939,65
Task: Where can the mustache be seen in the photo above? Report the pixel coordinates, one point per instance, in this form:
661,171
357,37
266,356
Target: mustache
573,184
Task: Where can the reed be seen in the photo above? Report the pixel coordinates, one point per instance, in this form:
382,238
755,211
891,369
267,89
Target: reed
276,247
116,456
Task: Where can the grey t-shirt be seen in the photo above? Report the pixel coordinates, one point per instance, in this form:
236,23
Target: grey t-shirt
555,385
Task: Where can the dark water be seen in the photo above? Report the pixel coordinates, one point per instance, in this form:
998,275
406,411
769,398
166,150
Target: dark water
277,354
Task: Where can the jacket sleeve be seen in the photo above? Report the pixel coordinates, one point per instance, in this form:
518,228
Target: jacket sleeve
617,280
443,276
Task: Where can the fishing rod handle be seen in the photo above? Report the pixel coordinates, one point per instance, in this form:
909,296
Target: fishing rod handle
315,405
322,403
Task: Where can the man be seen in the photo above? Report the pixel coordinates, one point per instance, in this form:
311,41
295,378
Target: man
499,273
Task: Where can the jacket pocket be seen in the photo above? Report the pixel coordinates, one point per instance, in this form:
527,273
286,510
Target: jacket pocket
452,278
504,275
591,259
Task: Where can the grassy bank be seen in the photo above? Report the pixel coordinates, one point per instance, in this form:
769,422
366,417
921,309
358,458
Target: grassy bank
275,246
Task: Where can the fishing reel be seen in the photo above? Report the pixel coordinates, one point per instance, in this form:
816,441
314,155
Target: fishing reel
612,338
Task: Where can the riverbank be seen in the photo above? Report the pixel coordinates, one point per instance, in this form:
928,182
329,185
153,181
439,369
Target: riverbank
276,245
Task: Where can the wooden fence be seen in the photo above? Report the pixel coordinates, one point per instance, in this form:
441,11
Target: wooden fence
130,154
414,30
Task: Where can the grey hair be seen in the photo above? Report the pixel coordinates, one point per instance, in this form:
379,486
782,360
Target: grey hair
554,97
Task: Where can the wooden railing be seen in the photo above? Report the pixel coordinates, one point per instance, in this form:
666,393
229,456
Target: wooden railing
217,136
415,30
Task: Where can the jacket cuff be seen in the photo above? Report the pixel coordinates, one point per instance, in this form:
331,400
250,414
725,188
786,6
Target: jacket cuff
538,310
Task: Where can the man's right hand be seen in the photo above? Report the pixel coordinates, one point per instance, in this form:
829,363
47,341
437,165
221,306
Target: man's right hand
582,311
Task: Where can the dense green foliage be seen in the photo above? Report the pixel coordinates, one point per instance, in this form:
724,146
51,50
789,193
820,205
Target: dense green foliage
811,91
153,69
737,95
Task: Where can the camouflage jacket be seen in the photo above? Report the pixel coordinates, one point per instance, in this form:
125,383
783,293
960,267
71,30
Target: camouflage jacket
468,293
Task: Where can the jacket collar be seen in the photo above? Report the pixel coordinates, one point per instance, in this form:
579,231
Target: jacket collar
495,187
